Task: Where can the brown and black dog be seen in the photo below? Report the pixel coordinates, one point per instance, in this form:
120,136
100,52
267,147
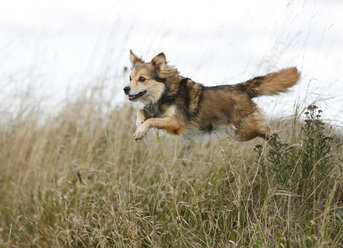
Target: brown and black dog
180,106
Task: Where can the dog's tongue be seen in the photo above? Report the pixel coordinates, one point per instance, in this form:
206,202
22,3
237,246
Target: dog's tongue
131,96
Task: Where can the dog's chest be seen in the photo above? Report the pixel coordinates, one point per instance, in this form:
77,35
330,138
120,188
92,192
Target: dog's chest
155,110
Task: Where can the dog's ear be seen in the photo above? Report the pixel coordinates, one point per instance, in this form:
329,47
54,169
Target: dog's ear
134,58
159,61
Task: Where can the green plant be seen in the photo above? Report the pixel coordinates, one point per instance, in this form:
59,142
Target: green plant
305,167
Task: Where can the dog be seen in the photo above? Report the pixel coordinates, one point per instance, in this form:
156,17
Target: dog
181,106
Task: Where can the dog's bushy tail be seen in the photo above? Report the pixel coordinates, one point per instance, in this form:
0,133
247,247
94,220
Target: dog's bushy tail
272,83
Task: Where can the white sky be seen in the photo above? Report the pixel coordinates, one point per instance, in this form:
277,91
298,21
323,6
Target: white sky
66,44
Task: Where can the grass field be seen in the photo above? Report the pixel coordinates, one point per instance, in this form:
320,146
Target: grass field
78,179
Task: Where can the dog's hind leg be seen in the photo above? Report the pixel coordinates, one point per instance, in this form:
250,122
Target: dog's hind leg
252,126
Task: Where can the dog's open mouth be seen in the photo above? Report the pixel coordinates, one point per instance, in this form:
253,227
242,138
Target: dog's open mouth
135,97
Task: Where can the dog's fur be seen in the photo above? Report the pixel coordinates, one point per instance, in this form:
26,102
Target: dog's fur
180,106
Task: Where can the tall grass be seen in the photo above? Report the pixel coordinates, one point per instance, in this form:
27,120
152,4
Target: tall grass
78,179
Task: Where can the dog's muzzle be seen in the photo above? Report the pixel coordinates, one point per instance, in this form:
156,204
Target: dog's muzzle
135,97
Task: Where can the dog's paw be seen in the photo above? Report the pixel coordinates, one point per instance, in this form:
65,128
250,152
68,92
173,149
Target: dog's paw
141,131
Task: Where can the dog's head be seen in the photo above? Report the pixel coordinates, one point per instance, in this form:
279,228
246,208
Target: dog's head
148,80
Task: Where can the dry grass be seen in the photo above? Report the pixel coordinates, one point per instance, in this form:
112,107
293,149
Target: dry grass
78,179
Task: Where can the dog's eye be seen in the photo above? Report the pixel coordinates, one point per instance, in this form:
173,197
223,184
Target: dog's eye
130,78
141,79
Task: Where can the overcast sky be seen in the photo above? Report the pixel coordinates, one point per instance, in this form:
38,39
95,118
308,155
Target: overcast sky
66,44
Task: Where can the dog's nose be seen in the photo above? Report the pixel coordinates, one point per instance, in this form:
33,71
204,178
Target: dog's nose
127,90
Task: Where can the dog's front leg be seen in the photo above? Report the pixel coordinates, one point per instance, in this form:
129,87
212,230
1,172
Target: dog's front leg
141,117
169,124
